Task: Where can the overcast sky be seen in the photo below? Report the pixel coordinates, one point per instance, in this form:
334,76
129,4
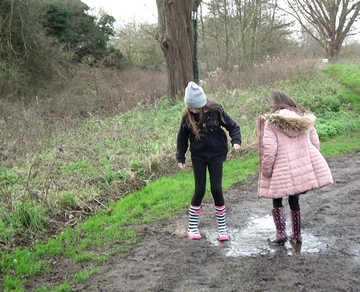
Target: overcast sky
139,10
126,10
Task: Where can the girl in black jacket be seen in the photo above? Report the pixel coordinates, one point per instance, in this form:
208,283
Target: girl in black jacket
201,127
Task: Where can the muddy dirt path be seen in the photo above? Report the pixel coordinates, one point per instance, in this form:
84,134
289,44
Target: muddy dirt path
166,260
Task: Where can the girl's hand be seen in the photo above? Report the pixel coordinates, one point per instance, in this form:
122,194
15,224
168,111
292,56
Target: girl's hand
236,147
182,166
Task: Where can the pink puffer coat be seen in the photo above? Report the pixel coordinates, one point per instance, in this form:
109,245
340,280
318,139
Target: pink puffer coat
289,157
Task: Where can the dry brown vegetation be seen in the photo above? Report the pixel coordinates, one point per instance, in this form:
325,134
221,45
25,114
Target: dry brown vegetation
261,75
29,129
26,124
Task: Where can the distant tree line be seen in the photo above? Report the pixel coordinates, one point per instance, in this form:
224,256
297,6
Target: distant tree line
41,39
241,33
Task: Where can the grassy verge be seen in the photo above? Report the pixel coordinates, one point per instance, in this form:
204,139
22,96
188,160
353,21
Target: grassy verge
161,199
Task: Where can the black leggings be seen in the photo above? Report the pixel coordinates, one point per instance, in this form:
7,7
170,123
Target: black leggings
293,202
216,173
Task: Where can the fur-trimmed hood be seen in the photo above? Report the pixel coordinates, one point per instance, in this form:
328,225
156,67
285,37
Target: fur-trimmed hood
290,123
289,157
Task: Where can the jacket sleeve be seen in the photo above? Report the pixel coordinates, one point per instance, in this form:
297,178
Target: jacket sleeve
182,143
260,128
270,145
232,127
314,138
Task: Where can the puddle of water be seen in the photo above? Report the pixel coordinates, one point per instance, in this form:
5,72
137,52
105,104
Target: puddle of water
355,252
252,239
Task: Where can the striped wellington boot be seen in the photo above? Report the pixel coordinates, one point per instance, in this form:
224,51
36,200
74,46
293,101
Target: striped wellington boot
193,228
221,219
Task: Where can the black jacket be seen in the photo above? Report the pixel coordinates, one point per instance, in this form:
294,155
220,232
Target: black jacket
213,142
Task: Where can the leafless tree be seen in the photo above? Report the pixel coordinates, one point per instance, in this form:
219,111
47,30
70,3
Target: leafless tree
240,33
176,37
331,19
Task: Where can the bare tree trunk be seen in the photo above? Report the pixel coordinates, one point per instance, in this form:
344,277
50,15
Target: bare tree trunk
331,20
176,36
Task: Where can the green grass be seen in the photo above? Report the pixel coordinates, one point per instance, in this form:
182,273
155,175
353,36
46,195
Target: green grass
340,145
111,230
348,75
84,274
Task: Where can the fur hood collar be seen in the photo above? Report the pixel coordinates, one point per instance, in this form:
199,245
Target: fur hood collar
290,123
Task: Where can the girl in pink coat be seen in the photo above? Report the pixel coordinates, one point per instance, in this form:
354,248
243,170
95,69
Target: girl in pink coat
290,161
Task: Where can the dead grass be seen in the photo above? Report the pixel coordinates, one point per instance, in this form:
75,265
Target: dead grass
26,126
261,75
28,130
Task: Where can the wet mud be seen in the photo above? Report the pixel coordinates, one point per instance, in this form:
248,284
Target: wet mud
166,260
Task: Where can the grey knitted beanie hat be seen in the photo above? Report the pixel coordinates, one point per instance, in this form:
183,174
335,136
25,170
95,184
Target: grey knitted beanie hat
194,96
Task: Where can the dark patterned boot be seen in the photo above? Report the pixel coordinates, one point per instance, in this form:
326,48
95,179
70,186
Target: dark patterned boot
193,229
280,224
296,227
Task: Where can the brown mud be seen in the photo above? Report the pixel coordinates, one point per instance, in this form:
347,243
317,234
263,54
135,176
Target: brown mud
166,260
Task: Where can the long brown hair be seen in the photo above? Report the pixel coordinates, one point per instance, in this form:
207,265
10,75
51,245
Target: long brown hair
279,100
190,119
